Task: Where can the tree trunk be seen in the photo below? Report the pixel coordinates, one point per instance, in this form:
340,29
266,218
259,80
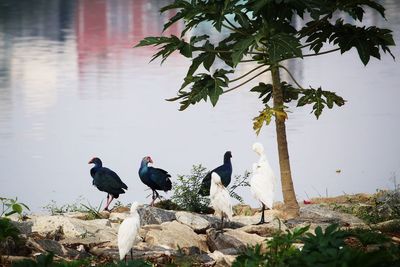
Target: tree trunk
289,196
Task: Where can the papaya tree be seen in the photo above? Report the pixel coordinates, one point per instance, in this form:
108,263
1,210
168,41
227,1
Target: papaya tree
264,32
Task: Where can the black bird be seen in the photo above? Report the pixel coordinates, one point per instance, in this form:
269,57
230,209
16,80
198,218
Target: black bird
156,179
224,171
107,181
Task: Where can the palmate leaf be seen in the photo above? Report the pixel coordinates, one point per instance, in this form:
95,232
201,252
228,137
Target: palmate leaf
241,47
204,86
319,99
282,46
367,41
168,46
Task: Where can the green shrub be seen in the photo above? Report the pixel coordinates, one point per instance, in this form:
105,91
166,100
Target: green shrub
324,249
185,191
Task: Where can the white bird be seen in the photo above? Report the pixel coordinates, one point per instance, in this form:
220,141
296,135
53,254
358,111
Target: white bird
220,199
262,182
128,231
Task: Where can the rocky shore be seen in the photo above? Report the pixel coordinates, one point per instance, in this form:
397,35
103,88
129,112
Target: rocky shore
166,234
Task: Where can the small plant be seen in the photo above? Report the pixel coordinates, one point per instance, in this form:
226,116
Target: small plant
185,193
11,206
77,206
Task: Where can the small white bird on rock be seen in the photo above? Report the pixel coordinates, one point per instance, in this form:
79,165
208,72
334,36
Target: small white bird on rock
128,231
262,182
220,199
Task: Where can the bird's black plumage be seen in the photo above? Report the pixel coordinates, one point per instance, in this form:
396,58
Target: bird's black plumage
155,178
224,171
106,180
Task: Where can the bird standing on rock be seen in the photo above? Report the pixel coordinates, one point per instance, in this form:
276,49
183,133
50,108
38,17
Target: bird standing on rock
155,178
107,181
224,171
220,199
262,182
128,231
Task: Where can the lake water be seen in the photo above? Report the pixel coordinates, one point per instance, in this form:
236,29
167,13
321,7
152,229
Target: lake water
72,87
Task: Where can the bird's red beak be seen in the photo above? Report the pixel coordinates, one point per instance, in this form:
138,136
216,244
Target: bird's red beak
150,160
90,161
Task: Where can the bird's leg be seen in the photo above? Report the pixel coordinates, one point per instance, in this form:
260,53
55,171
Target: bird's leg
125,258
111,197
107,203
157,195
154,198
131,254
222,224
262,215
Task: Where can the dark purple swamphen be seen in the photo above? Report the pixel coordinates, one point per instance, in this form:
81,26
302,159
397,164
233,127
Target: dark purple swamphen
155,178
224,171
107,181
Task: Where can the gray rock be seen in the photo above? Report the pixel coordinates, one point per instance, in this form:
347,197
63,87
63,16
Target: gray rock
174,235
264,230
194,221
222,259
52,246
76,231
323,214
118,216
231,240
25,227
153,215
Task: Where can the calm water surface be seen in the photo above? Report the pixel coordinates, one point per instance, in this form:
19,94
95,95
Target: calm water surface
72,87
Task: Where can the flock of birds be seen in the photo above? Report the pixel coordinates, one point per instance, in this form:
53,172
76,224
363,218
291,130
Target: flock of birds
214,184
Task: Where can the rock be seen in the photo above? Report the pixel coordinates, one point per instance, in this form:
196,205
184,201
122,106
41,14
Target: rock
222,259
77,215
264,230
174,234
76,231
25,227
194,221
231,239
152,215
392,226
118,217
317,212
52,246
244,210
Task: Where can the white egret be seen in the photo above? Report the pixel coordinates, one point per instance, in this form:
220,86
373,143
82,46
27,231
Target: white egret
128,231
262,182
220,199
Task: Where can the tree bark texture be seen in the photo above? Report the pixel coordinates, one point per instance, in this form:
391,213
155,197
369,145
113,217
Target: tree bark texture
289,196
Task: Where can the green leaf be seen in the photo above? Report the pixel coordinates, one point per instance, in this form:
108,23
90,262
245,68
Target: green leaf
17,208
282,46
240,48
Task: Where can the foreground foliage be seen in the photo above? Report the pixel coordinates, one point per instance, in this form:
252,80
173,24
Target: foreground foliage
47,260
332,247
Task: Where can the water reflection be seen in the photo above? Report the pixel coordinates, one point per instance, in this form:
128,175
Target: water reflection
72,87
